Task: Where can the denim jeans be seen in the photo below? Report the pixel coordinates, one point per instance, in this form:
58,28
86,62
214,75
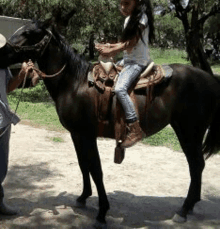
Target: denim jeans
125,79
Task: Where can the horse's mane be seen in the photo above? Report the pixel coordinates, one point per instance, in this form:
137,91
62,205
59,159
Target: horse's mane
77,66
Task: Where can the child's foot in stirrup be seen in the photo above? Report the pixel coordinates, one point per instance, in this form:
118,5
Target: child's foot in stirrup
134,135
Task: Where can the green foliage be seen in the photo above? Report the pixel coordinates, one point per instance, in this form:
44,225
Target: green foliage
57,139
35,94
165,137
168,56
169,32
36,105
93,17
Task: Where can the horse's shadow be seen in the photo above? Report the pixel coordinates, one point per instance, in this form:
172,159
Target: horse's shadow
47,210
127,211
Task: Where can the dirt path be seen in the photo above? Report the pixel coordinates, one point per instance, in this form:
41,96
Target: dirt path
144,191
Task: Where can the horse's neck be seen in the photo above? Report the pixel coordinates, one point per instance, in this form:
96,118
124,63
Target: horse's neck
70,80
52,84
63,83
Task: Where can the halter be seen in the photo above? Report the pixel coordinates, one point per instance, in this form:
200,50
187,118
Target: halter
40,48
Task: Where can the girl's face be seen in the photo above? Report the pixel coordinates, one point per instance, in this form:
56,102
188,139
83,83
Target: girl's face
127,7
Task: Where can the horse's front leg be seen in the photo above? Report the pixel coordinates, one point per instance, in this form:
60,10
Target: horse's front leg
89,162
97,175
83,159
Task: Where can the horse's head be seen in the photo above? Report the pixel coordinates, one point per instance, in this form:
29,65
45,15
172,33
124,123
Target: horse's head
29,42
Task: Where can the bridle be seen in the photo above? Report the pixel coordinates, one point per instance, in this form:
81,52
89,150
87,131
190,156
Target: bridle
39,48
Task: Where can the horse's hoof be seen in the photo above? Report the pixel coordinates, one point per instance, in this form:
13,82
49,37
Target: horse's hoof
77,204
99,225
190,212
179,219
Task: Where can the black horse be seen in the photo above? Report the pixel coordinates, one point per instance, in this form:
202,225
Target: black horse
188,101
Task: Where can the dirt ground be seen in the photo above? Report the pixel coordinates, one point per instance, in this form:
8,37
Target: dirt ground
144,191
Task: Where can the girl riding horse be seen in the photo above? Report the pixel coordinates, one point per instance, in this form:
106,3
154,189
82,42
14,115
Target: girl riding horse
138,31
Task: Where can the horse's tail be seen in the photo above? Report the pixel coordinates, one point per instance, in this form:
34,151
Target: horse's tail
211,144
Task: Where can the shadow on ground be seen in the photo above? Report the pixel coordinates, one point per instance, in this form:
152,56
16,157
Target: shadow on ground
127,210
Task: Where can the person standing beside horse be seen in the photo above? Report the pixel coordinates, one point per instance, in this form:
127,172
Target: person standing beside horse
138,32
7,83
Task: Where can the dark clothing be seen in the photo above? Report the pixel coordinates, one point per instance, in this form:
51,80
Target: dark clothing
6,118
4,151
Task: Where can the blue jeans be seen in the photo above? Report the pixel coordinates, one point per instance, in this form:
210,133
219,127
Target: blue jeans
125,79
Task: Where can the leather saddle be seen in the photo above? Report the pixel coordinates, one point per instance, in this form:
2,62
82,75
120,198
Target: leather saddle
105,74
103,77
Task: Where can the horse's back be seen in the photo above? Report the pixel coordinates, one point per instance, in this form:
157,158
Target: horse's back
190,93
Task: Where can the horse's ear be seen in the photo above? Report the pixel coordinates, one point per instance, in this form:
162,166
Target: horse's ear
62,21
67,17
47,23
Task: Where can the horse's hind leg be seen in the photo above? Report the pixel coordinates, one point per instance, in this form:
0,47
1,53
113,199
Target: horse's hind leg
191,142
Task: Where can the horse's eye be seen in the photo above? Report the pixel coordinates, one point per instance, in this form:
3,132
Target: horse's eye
27,32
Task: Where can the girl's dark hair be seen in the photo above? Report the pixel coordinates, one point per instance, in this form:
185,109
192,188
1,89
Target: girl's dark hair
133,27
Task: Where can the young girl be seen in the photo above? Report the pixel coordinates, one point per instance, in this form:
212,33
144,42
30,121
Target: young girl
138,32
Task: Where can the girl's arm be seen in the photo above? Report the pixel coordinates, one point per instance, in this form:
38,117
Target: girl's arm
113,49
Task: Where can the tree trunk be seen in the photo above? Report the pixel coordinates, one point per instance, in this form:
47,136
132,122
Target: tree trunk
196,53
194,34
91,47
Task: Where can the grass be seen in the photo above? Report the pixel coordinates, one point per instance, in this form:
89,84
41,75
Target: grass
165,137
216,68
168,56
57,139
37,107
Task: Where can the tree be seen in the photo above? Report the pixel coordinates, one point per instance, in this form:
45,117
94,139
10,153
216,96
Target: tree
193,18
194,15
93,19
212,33
168,32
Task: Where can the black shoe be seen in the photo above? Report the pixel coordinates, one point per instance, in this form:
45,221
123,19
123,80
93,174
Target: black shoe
7,210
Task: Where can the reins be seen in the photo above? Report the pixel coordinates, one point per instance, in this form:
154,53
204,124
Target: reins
40,48
43,75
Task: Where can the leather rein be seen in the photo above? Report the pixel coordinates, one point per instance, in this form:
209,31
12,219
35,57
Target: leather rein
40,47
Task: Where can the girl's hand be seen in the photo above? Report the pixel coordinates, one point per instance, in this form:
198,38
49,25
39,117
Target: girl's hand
104,49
